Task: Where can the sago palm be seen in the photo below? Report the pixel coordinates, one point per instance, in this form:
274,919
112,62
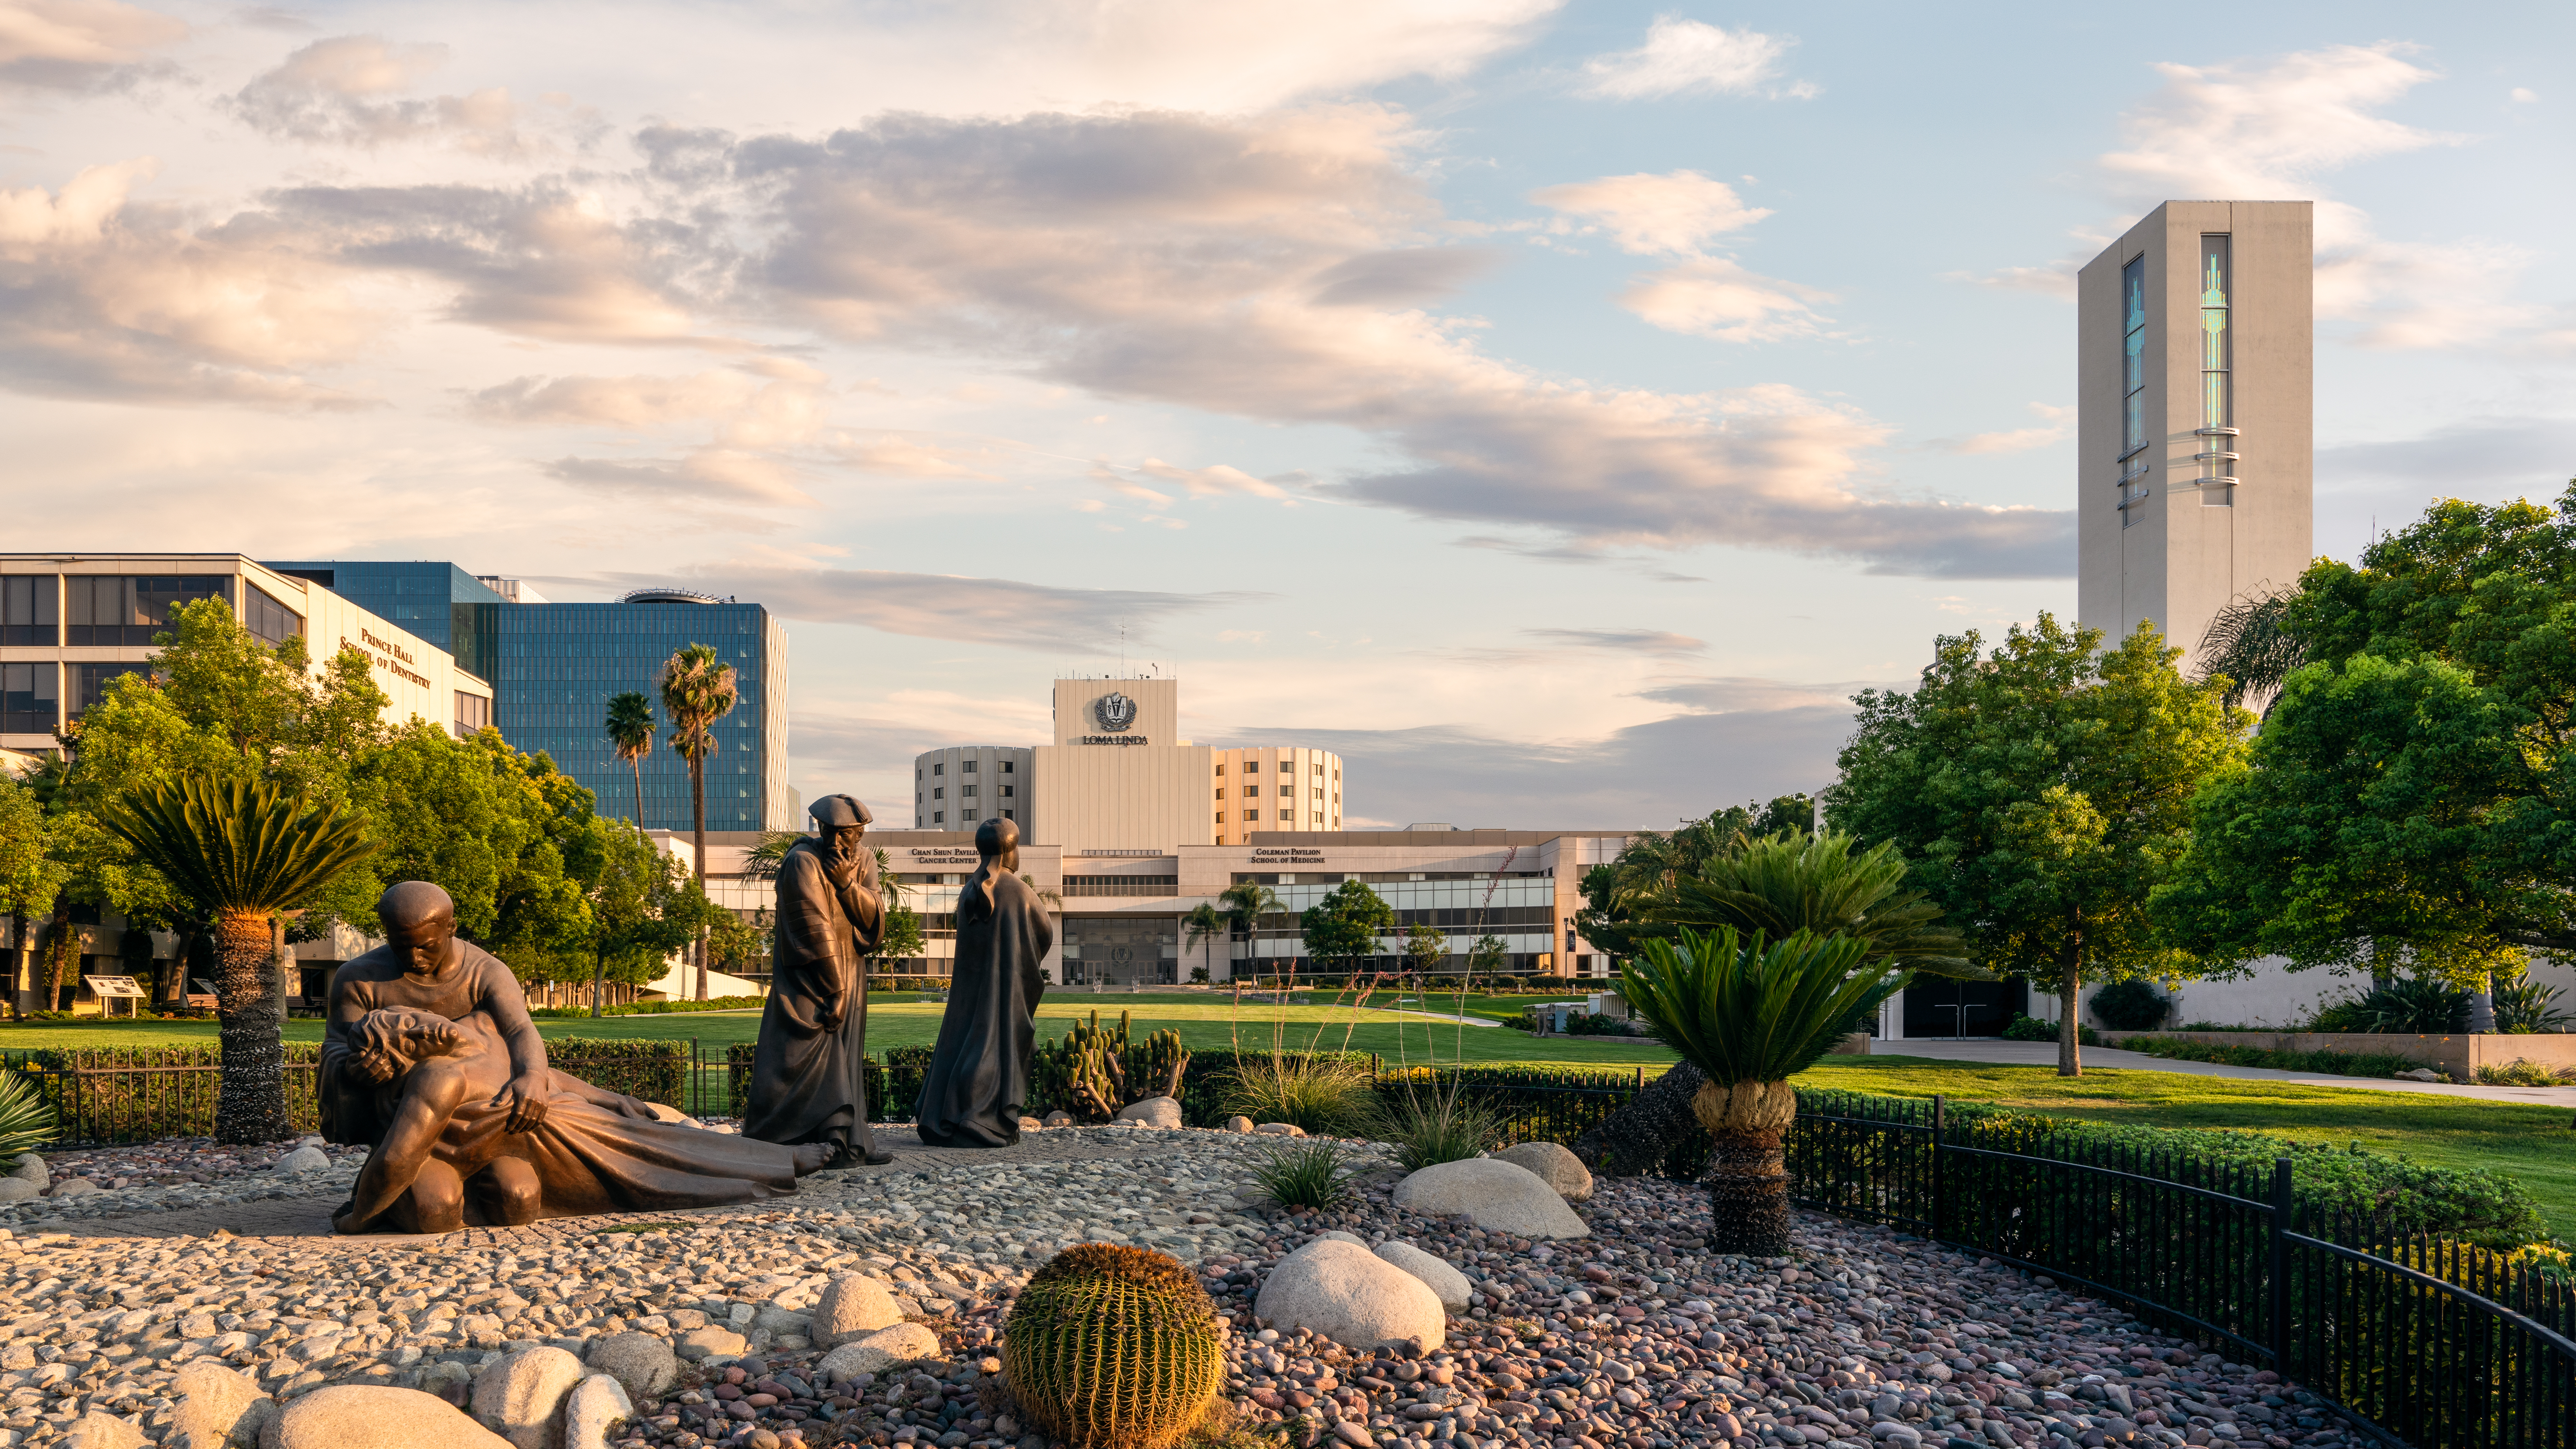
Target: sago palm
1790,882
1749,1014
243,853
697,690
630,734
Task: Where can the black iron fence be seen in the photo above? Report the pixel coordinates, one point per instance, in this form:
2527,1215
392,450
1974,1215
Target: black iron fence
2426,1340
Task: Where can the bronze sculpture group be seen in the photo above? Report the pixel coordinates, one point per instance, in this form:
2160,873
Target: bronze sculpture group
430,1058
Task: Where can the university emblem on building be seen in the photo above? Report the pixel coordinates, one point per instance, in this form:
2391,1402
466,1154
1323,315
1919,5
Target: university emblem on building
1115,711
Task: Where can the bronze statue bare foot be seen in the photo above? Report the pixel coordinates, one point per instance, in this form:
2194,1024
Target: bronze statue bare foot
812,1157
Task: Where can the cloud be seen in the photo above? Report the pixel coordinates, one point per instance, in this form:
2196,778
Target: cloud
329,93
79,45
1682,57
1736,694
1675,214
709,475
1401,278
1713,297
2277,130
103,297
1641,641
1213,481
949,606
2013,440
2532,454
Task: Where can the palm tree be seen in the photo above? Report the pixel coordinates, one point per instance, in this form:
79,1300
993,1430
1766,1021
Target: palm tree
1790,882
762,861
1750,1014
2250,643
243,853
1246,902
697,690
630,733
1205,923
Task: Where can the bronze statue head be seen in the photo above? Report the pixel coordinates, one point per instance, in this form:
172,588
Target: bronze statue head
998,841
420,925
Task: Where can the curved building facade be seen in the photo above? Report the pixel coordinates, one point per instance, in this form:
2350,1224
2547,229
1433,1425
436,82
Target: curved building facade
961,786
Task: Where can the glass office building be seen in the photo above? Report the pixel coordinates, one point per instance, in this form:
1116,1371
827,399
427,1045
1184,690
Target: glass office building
553,668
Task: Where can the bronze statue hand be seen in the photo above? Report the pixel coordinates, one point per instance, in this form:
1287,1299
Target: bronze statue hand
526,1096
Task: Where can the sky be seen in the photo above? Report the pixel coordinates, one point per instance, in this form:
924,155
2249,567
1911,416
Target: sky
1560,410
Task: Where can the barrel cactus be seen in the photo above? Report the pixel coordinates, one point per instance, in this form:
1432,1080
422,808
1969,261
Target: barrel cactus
1113,1348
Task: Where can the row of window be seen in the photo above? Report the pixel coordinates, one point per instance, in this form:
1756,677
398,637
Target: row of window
57,610
30,693
940,817
1284,817
1286,792
967,768
964,792
1285,767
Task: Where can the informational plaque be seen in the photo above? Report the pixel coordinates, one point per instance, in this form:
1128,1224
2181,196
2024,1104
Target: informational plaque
114,986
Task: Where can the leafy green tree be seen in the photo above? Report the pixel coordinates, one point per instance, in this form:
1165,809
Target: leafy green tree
1749,1014
30,876
903,937
633,930
697,690
243,852
2040,793
1425,949
630,736
1341,930
1488,956
2413,797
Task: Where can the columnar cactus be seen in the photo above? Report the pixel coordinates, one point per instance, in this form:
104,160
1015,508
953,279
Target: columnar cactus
1113,1348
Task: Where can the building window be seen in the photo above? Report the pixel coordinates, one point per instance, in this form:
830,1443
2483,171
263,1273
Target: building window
2217,456
1006,814
966,769
1289,790
2133,388
473,713
94,678
117,610
1006,792
936,817
270,621
1006,767
1220,767
940,768
1220,794
29,611
1285,766
30,697
937,792
1220,817
1251,815
968,792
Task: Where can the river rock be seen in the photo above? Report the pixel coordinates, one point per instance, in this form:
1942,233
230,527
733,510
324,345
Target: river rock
19,1189
521,1396
304,1159
879,1351
642,1363
73,1187
710,1342
853,1306
33,1169
1447,1282
1555,1166
1153,1112
1238,1124
1495,1195
98,1430
594,1404
1281,1129
367,1416
218,1406
1353,1297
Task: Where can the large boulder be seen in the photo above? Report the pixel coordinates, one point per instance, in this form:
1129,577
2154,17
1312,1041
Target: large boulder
594,1404
219,1408
1448,1283
367,1416
1153,1112
304,1159
521,1396
903,1343
98,1429
1353,1297
642,1363
1498,1196
853,1306
33,1169
19,1189
1555,1166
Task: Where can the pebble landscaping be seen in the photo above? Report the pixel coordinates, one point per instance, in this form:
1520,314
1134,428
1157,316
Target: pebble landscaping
1634,1336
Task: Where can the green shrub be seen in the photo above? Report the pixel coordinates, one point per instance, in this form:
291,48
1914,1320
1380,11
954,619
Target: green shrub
2332,1063
2521,1073
1308,1174
1111,1347
1323,1094
2131,1006
2527,1006
2031,1028
1436,1126
2405,1006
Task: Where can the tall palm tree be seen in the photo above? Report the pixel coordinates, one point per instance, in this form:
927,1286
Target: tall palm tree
630,734
1750,1014
243,853
697,690
1205,923
2251,644
1245,903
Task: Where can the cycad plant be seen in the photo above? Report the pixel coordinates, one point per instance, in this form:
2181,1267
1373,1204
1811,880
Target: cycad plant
243,853
1750,1013
1790,882
630,734
697,690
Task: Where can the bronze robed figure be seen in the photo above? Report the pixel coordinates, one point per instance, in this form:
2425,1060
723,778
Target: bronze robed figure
430,1059
978,1083
808,1079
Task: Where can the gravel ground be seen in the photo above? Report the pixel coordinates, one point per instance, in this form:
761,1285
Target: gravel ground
182,1172
1633,1337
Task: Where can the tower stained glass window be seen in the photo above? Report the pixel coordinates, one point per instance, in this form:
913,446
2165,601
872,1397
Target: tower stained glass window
2217,455
2133,387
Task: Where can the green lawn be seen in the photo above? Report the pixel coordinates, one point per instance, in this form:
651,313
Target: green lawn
2532,1143
1206,1022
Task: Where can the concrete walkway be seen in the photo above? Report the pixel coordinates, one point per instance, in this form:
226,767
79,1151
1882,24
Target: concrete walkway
2044,1054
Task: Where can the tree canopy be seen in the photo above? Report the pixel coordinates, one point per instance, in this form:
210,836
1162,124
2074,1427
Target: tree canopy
2040,791
1341,930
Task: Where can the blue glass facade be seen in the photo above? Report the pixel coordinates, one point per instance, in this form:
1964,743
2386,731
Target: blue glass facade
553,667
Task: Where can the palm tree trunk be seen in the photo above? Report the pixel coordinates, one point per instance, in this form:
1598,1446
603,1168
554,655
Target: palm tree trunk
252,1107
1748,1178
698,824
638,763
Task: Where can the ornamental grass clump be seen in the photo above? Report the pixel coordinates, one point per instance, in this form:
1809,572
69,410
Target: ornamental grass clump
1307,1174
1113,1348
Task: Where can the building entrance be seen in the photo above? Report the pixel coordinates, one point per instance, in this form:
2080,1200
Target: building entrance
1121,950
1936,1006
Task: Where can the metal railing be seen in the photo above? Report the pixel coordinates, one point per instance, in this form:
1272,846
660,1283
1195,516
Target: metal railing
2422,1339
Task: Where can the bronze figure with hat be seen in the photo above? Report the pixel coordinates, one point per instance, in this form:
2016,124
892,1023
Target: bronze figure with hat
808,1076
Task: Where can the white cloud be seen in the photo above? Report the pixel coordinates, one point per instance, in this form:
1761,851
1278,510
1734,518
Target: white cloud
1685,56
2014,440
328,92
80,45
1009,612
1674,214
1713,297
